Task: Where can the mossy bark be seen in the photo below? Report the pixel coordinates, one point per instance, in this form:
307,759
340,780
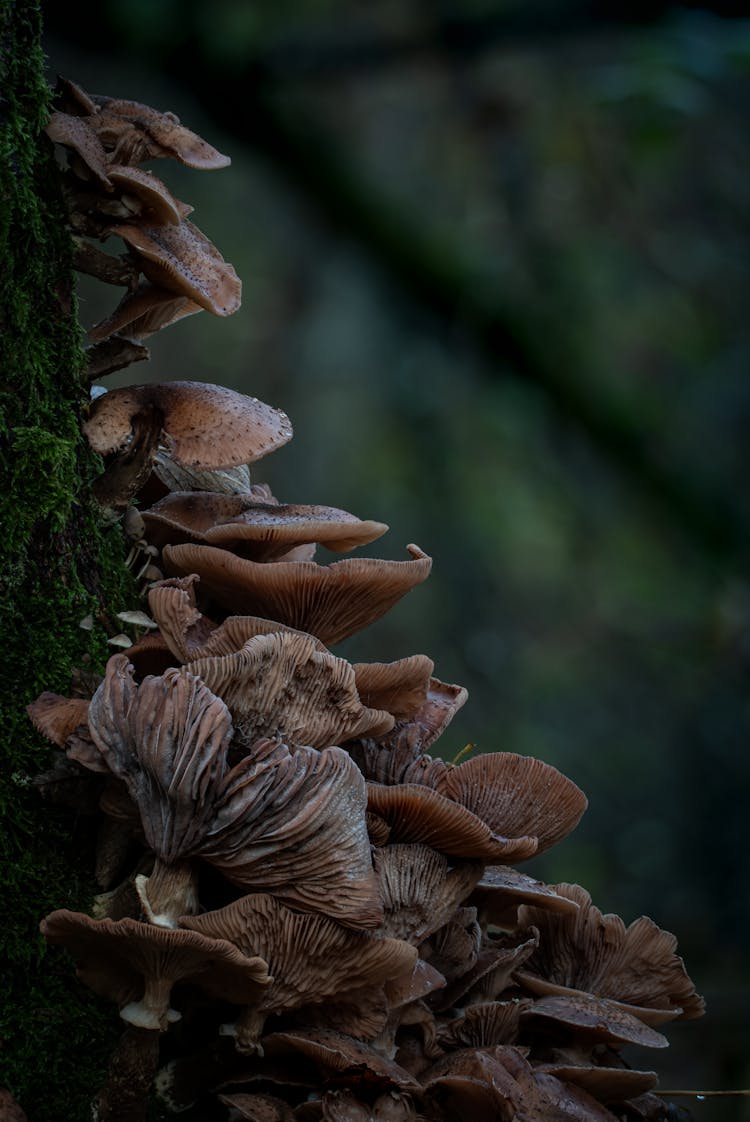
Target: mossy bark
60,563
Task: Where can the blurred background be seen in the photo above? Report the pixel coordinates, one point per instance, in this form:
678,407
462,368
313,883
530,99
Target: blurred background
496,262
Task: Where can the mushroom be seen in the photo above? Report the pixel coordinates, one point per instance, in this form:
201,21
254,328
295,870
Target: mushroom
485,1025
253,529
258,1108
454,948
150,198
331,602
502,890
492,972
607,1084
335,960
76,133
142,312
204,425
182,259
167,740
420,892
584,952
337,1055
421,815
282,685
139,132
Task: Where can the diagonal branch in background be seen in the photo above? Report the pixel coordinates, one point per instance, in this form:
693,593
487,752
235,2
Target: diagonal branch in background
433,273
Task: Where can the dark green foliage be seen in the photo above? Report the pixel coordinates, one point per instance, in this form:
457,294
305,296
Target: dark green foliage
59,565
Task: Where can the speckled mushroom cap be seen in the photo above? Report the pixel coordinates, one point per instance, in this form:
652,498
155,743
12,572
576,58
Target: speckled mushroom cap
76,133
140,132
329,601
335,960
335,1053
607,1084
253,529
136,964
593,1018
420,892
206,426
282,685
182,259
419,814
152,198
293,823
586,952
502,890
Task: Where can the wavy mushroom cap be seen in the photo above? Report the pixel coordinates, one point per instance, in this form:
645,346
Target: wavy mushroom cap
502,890
586,952
142,313
281,685
516,795
182,259
607,1084
136,964
153,199
400,687
206,426
58,717
335,962
293,823
338,1055
420,892
331,602
594,1019
484,1025
153,133
454,949
421,815
253,529
76,133
492,973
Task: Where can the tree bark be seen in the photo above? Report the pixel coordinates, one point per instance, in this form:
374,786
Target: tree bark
59,565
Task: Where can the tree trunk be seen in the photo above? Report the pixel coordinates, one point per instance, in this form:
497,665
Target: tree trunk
60,564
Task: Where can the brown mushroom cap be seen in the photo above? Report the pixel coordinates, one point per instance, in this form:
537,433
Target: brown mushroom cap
516,795
331,602
294,824
167,135
339,1055
76,133
585,952
259,1108
136,964
419,891
454,949
143,312
182,259
419,814
282,685
155,201
57,717
607,1084
485,1025
251,528
335,960
594,1018
400,687
502,890
492,972
207,426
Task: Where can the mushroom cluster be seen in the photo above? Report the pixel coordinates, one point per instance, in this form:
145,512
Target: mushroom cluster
304,914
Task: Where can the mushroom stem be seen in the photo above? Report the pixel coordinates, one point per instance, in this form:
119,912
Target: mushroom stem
170,892
152,1012
124,1096
247,1031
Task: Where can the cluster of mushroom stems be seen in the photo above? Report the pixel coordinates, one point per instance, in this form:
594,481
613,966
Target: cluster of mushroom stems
304,914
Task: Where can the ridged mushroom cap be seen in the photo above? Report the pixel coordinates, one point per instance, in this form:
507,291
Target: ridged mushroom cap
419,814
260,531
331,602
586,952
258,1108
293,823
484,1025
143,312
206,426
281,685
182,259
136,964
420,892
335,960
492,972
57,717
516,795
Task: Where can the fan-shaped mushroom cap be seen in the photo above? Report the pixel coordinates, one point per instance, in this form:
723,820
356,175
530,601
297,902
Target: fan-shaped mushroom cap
57,717
502,890
136,964
294,824
399,687
207,426
281,685
340,1055
607,1084
585,952
156,134
485,1025
251,528
144,312
167,739
516,795
331,602
499,1085
454,949
76,133
419,814
182,259
595,1018
419,891
335,960
492,972
155,201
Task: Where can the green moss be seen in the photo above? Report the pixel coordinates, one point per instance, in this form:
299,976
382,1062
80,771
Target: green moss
60,564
